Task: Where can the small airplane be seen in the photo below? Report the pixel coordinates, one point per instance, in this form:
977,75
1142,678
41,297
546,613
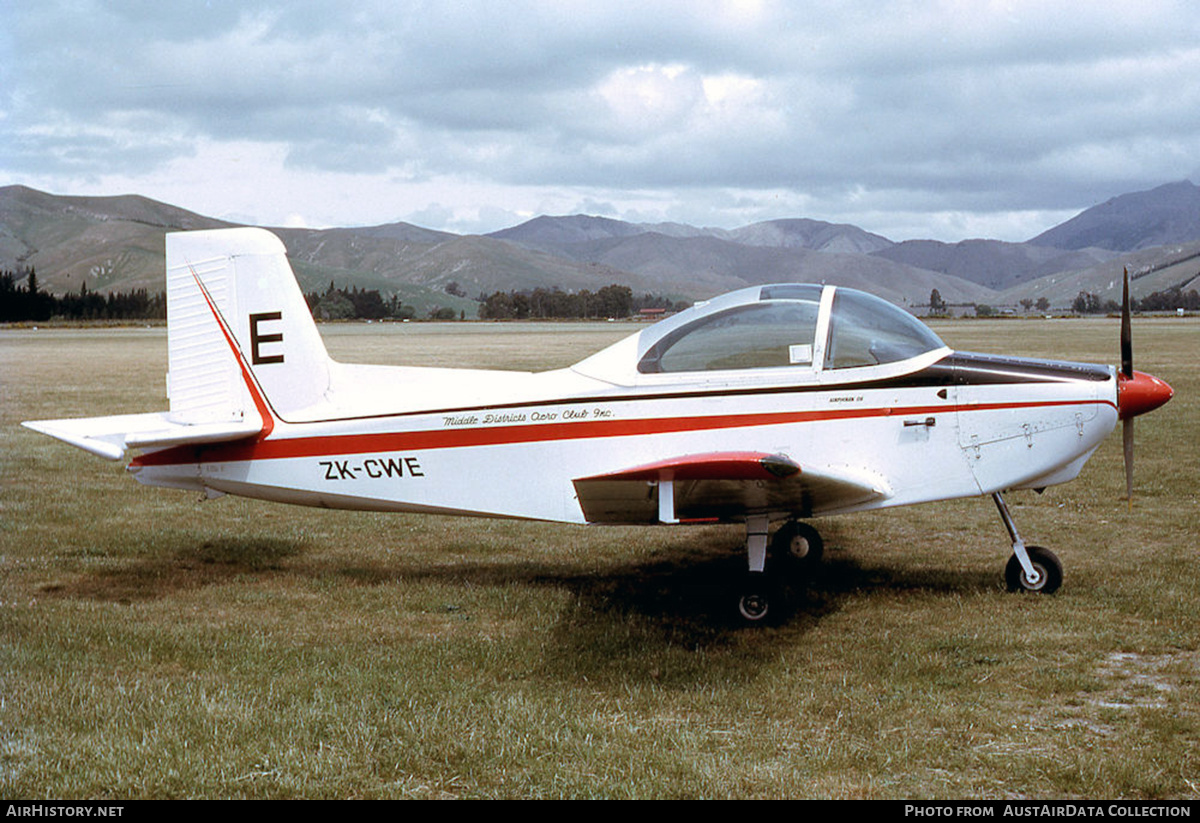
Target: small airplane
773,403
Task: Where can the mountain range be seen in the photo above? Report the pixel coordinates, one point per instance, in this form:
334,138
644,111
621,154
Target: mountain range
116,244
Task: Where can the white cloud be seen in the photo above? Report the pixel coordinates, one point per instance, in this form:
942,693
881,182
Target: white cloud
921,118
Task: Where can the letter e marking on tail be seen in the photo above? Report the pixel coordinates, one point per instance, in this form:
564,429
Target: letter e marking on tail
257,338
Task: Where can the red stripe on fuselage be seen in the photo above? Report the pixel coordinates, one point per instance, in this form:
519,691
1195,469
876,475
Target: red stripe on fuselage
454,438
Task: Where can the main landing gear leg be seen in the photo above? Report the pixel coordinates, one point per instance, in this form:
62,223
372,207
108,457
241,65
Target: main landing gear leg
1031,568
795,550
754,598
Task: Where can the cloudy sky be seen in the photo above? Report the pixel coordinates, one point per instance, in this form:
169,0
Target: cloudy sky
945,120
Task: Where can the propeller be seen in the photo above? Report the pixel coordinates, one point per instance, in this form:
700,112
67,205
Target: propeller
1127,373
1137,393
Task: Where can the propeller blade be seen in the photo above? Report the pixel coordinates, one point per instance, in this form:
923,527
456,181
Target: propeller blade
1126,331
1137,393
1127,371
1127,442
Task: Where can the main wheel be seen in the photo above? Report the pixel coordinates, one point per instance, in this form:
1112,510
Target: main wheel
797,545
754,599
1047,565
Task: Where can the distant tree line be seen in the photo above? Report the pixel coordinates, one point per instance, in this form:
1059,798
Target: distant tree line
938,307
1169,300
22,299
357,304
1087,302
541,303
1166,300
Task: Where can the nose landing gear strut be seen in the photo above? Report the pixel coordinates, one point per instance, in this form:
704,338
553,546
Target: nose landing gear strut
1031,568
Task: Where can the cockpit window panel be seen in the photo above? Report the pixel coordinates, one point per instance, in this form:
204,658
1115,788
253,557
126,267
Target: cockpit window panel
865,330
768,334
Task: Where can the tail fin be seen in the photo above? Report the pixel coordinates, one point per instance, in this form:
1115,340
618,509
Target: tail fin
242,350
240,338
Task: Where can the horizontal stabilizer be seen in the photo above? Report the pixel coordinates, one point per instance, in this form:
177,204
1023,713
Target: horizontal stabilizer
721,486
110,437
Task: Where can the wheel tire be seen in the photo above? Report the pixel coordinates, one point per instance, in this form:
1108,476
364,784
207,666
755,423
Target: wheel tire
754,600
1046,564
797,545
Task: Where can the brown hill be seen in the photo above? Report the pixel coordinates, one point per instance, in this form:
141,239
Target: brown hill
116,244
109,243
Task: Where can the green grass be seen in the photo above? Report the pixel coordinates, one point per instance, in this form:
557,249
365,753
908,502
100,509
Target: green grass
152,645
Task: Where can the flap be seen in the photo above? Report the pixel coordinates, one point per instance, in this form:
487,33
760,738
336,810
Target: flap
723,486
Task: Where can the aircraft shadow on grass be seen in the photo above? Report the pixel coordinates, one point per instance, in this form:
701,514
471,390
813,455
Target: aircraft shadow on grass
680,591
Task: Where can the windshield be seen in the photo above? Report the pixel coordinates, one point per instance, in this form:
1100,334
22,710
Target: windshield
865,330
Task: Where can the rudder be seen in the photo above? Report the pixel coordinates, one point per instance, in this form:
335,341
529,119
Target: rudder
238,326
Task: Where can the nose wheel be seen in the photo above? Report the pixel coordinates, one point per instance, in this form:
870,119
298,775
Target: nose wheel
1047,575
1031,568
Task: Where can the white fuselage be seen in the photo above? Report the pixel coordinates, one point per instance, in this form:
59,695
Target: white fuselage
948,428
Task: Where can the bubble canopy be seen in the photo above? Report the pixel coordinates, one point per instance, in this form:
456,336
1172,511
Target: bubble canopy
792,329
776,326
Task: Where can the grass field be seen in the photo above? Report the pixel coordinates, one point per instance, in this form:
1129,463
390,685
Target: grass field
152,645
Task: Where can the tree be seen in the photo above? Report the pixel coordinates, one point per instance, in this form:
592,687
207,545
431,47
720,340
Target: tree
615,301
368,304
334,306
496,306
1087,302
936,304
